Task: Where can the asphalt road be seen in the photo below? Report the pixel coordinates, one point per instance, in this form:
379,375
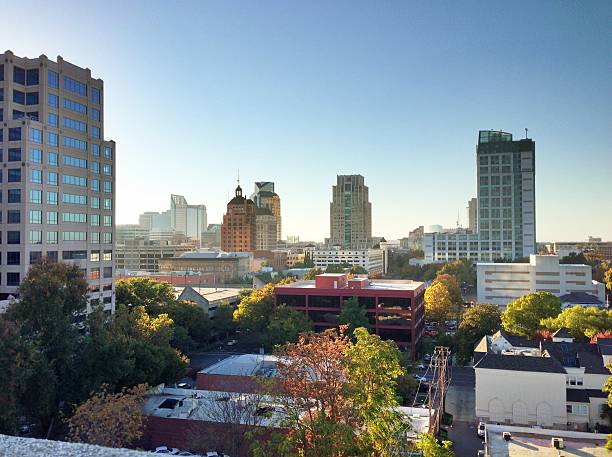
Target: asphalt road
466,442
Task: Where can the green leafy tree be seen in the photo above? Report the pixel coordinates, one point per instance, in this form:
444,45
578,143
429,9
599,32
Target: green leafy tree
372,369
285,326
254,310
354,315
452,285
337,268
143,292
608,388
582,322
462,269
358,270
523,315
478,321
429,446
312,273
223,323
608,278
51,295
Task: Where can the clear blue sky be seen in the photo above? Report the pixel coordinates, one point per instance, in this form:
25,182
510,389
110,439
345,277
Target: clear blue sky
297,92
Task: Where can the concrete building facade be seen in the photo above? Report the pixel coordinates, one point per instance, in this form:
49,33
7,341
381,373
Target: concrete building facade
144,255
502,283
371,259
238,232
350,213
472,210
265,197
225,266
190,220
58,178
265,229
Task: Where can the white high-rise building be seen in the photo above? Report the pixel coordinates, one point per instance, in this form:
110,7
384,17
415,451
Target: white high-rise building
189,220
58,175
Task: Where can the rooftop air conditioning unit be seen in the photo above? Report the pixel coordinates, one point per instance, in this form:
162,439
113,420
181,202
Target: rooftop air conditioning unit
557,443
507,436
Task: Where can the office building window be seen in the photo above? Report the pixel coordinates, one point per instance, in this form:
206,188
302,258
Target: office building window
12,279
52,217
13,237
18,114
52,119
19,97
52,238
94,219
32,77
35,257
74,199
108,256
95,114
74,180
14,195
108,187
52,139
53,79
95,185
53,100
35,216
52,198
35,237
75,162
13,216
108,203
108,153
94,237
52,178
95,202
75,143
14,155
32,98
35,156
95,150
108,221
73,124
94,256
95,95
52,158
108,237
108,169
75,86
75,106
13,258
78,218
95,132
36,135
36,176
14,134
74,236
14,175
19,75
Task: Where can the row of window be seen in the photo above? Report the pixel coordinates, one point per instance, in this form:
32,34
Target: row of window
14,217
14,155
14,196
52,237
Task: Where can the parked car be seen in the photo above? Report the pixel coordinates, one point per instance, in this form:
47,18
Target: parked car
481,429
183,385
421,366
231,343
166,450
420,378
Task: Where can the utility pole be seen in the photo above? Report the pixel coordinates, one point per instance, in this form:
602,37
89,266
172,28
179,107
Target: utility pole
438,364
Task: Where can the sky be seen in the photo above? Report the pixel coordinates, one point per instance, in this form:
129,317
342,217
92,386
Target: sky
298,92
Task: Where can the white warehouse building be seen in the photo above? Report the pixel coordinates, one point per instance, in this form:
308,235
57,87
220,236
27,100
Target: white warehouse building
502,283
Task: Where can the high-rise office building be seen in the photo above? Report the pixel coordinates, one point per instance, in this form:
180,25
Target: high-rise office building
350,213
58,176
472,210
265,230
265,197
152,220
189,220
238,232
506,204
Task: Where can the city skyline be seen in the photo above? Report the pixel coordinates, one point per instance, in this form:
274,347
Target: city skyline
402,97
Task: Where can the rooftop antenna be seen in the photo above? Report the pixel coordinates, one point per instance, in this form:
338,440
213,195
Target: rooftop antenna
458,223
526,130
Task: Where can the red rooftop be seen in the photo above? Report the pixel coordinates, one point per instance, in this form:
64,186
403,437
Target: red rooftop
394,307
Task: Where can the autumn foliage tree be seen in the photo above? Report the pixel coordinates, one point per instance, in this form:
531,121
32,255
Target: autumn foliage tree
254,310
582,322
109,419
523,315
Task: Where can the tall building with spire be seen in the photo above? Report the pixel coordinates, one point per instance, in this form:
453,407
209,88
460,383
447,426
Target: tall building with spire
238,232
268,201
350,213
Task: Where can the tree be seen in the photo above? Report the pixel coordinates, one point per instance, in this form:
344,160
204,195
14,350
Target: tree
575,258
608,279
312,273
223,323
51,295
523,315
461,269
354,315
358,270
452,285
337,268
582,322
608,388
372,369
606,334
429,446
143,292
285,326
480,320
109,419
254,310
12,357
438,302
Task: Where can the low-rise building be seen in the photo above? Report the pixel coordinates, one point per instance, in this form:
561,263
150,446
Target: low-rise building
144,255
370,259
602,249
502,283
238,373
225,266
554,384
395,308
208,298
265,258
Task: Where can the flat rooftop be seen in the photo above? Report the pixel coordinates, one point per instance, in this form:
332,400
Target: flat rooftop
378,284
245,365
212,294
531,442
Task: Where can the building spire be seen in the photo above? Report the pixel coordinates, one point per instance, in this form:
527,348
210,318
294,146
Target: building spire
238,188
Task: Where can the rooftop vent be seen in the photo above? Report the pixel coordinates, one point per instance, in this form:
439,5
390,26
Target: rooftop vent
507,436
557,443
